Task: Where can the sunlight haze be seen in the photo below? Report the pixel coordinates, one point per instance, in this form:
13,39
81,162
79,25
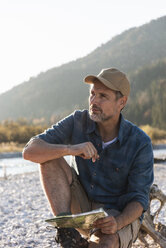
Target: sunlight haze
42,34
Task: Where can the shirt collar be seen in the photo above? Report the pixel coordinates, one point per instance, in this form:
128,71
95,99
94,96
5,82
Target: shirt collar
91,125
123,129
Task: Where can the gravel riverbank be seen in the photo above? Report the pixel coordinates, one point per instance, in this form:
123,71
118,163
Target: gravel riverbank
23,209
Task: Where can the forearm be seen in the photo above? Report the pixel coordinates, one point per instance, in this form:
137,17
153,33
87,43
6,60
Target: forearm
39,151
131,212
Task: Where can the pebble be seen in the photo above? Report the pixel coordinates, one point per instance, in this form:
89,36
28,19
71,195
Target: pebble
24,208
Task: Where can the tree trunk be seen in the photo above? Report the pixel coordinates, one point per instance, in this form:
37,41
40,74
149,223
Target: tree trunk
156,231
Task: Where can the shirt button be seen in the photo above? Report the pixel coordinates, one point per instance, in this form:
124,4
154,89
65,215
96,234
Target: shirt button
92,186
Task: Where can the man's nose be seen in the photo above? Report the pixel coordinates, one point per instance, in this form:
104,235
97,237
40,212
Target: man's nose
93,100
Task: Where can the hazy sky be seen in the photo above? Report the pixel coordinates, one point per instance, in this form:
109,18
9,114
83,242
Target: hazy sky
36,35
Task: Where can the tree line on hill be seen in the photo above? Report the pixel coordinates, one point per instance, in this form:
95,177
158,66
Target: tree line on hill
146,106
140,52
147,103
19,131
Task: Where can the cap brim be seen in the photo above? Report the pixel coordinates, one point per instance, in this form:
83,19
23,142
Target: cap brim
90,80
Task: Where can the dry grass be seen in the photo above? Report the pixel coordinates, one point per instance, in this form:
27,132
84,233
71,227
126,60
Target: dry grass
16,147
11,147
158,136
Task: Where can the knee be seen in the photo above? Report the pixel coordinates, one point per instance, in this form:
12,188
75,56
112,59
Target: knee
113,241
49,163
115,244
108,241
58,167
49,166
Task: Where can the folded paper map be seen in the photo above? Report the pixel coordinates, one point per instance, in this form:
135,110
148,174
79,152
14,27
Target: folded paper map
83,220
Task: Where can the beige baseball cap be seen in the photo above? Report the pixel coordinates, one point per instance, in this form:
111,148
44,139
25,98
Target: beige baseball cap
113,79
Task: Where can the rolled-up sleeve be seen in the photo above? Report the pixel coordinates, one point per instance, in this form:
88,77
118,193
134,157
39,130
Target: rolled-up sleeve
140,178
59,133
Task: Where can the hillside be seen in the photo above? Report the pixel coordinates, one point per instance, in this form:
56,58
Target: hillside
147,103
60,90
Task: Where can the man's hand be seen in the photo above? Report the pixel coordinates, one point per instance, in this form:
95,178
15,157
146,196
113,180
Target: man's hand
110,224
85,150
107,225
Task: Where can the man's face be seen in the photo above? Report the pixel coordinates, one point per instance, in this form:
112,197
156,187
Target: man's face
103,104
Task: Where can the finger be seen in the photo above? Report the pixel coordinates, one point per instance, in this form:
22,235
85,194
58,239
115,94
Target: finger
95,157
85,154
105,220
93,151
107,224
108,231
91,148
86,151
90,151
82,155
110,223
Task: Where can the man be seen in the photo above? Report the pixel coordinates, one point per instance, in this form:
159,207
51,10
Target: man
113,161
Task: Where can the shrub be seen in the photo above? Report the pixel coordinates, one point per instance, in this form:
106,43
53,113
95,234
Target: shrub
154,133
11,131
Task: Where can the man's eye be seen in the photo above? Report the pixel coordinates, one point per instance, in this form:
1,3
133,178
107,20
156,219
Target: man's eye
102,95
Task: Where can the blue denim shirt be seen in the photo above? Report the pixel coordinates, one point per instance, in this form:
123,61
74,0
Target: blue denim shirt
124,171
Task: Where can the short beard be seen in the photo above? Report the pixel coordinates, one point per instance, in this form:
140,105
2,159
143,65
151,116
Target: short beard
99,117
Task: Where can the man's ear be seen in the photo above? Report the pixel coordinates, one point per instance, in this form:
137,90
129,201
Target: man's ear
123,101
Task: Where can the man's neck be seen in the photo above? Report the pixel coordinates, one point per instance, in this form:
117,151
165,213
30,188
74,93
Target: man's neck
109,129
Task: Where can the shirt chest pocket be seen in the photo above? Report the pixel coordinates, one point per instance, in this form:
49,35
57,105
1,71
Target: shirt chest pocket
116,173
